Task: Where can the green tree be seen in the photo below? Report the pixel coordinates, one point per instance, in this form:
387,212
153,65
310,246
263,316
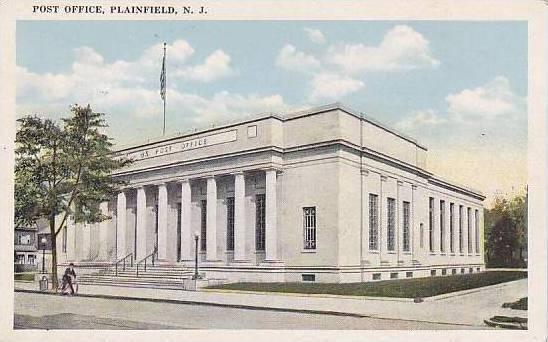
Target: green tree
506,232
64,169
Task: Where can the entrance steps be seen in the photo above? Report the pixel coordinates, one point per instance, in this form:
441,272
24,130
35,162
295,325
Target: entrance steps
162,276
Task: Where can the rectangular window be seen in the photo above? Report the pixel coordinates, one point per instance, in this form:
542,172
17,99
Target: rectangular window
432,273
64,240
376,276
31,259
454,271
308,277
390,224
260,222
406,216
157,225
461,236
409,274
203,231
477,232
394,275
230,223
431,224
179,225
309,227
373,222
451,227
442,226
469,212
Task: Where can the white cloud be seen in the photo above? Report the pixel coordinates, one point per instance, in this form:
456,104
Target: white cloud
215,66
291,59
130,89
419,119
490,100
333,86
402,48
315,35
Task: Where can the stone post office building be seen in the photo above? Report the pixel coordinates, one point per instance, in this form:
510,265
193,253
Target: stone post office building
325,195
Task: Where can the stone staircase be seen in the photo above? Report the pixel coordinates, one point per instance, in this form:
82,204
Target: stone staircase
160,276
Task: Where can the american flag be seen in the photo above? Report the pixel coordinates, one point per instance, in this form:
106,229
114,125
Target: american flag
163,76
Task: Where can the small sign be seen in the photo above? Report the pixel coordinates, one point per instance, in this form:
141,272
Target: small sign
208,140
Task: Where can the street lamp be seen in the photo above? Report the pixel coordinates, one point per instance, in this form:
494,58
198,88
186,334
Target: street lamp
44,240
196,237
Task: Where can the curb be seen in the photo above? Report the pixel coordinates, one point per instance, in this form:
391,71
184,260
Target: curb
310,295
248,307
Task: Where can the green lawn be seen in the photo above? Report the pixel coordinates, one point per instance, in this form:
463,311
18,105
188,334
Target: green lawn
403,288
24,276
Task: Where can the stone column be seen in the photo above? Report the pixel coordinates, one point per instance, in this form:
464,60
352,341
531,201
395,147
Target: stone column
121,225
103,233
162,221
86,241
141,232
271,234
186,235
71,238
239,217
211,223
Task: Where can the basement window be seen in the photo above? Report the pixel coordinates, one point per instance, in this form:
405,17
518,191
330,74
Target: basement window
454,271
376,276
409,274
394,275
308,277
432,273
444,272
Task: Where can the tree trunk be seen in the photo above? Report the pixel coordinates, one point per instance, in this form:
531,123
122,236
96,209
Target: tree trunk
54,281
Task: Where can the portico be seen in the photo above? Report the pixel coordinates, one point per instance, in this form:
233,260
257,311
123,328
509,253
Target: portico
173,208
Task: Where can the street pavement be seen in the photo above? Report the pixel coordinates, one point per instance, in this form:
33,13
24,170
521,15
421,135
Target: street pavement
216,309
41,311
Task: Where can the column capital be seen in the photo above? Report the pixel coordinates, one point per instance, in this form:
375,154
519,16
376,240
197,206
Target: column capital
239,172
272,168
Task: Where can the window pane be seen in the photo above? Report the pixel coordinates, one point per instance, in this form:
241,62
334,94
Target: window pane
373,222
391,215
260,222
406,214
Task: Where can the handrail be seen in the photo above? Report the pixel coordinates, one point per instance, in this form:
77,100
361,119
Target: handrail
151,255
123,261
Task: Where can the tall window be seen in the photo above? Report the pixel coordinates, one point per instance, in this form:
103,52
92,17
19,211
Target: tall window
406,216
309,227
431,224
373,222
451,227
477,231
391,224
442,226
230,223
260,222
203,230
469,230
64,240
461,223
157,224
179,225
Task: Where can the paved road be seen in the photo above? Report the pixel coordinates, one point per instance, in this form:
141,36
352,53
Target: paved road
40,311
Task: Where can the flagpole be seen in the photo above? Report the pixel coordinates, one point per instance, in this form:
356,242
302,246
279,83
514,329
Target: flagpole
164,97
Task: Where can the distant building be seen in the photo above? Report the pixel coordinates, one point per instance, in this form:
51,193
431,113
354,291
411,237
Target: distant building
325,195
25,256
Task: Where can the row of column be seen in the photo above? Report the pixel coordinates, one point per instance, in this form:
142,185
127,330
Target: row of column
187,227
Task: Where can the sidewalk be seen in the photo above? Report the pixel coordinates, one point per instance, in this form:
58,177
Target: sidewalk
469,308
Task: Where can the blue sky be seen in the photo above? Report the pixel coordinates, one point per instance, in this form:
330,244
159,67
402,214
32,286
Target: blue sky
458,87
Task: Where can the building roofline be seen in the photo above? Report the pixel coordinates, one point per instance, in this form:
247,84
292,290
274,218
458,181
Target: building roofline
269,115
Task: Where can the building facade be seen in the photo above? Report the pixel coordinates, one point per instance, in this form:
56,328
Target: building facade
326,195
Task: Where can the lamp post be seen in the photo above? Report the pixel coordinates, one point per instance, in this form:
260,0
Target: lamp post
43,240
196,237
